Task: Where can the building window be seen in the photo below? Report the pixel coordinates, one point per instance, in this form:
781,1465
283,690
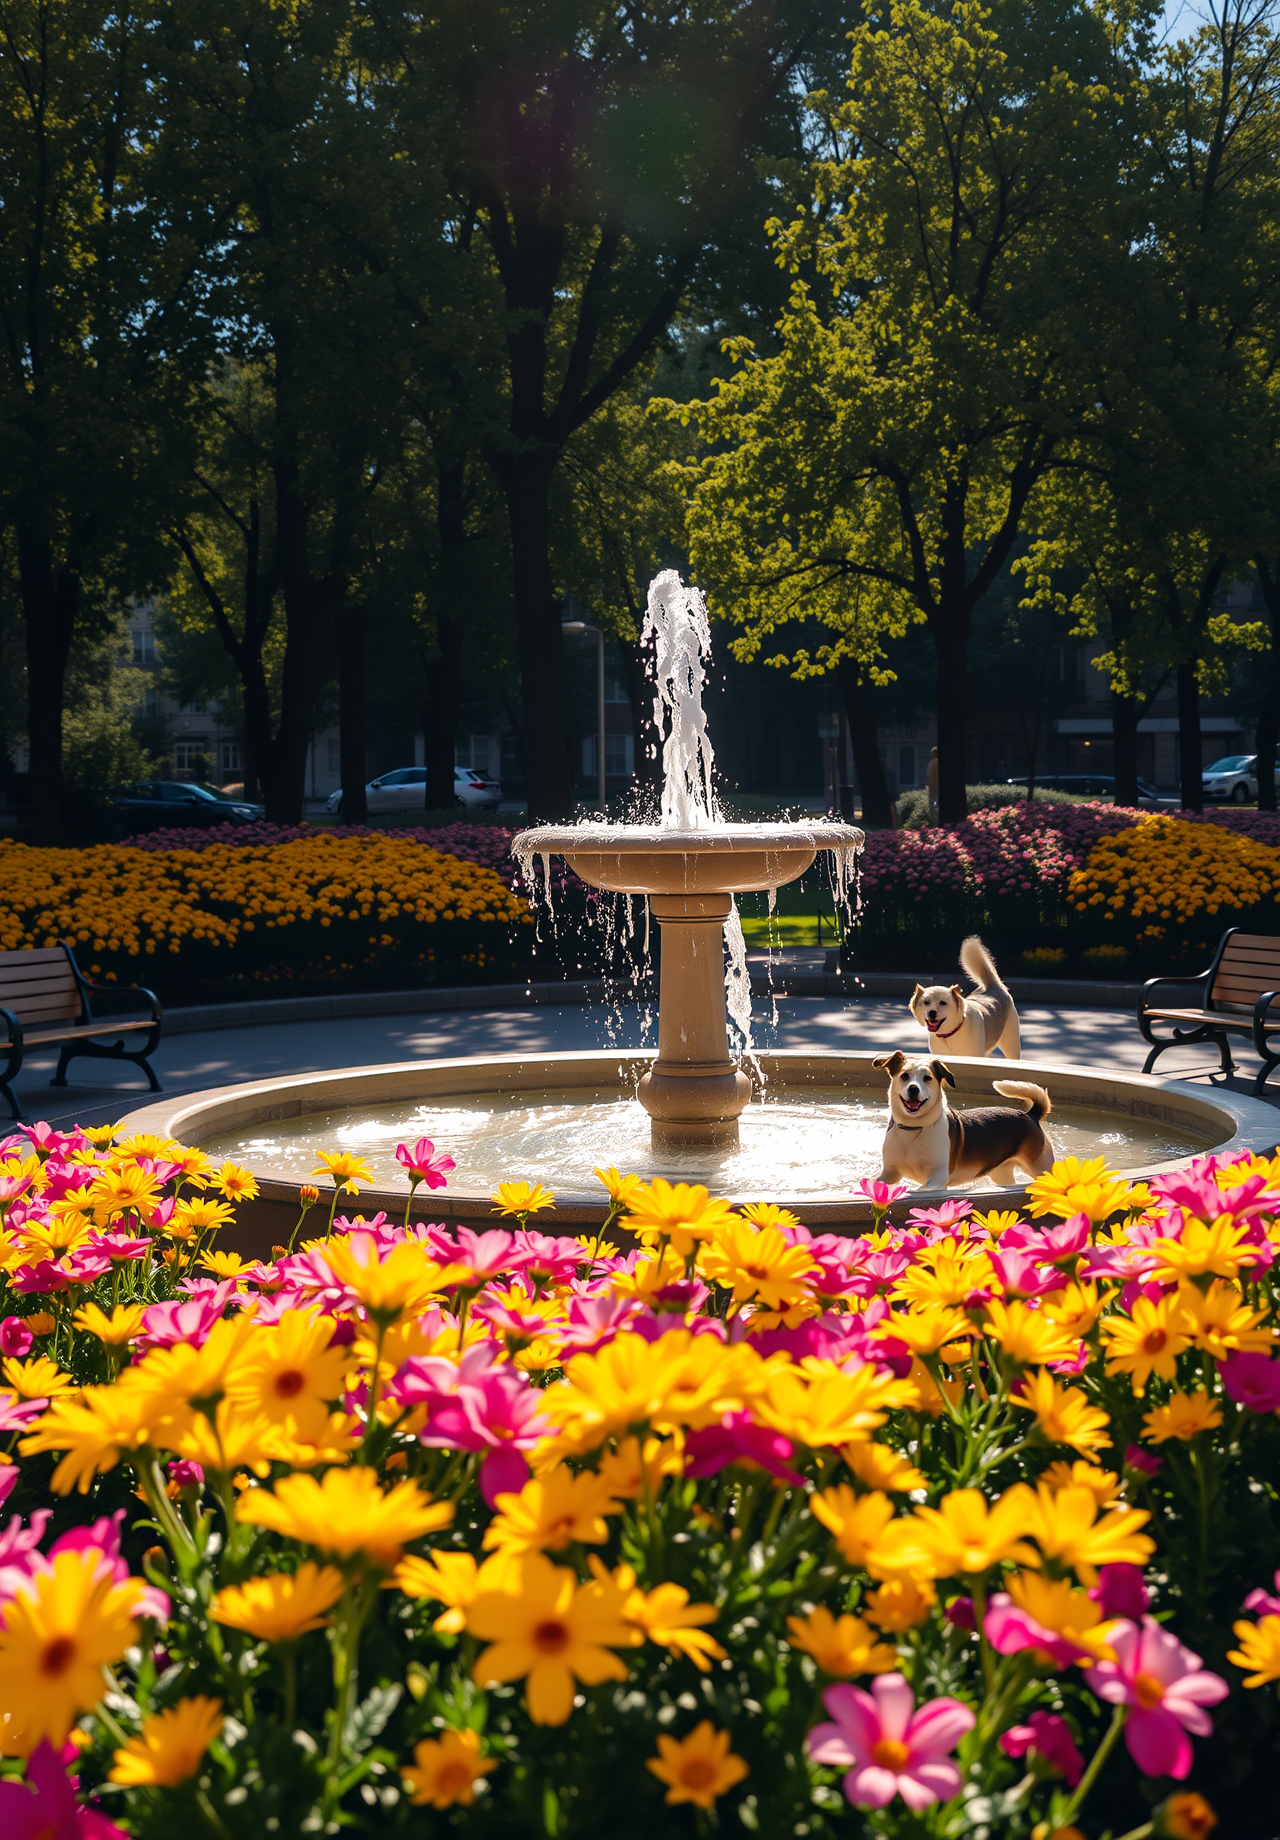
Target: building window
193,708
475,752
615,691
232,760
191,757
619,756
144,647
907,764
335,757
150,704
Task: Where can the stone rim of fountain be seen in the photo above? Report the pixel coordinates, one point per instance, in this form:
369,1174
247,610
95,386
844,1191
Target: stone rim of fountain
1243,1123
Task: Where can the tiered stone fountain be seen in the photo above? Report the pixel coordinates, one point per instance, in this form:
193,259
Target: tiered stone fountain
553,1117
690,867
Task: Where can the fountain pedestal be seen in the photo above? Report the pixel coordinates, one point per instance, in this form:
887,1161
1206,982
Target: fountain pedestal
694,1092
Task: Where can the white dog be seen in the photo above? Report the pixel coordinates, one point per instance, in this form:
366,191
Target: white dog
974,1025
928,1143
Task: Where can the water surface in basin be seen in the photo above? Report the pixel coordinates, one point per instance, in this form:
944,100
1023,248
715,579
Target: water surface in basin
802,1146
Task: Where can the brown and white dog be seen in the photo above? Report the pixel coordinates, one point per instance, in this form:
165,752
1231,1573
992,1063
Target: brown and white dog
973,1025
928,1143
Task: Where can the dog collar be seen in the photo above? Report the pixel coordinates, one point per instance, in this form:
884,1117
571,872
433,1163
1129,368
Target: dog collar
939,1036
907,1127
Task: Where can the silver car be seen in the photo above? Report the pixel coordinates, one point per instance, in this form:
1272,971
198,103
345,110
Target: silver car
405,789
1233,778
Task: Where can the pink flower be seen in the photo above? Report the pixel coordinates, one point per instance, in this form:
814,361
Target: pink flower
1263,1601
1047,1737
1166,1690
15,1337
1020,1274
476,1406
186,1473
880,1194
1121,1592
1252,1380
1143,1462
423,1164
165,1325
887,1746
44,1807
545,1257
595,1321
738,1439
1010,1630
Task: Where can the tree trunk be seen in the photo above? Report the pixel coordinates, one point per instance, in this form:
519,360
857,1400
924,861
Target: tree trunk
444,675
635,667
1268,730
951,646
348,632
1190,756
1124,747
50,602
443,680
526,486
859,706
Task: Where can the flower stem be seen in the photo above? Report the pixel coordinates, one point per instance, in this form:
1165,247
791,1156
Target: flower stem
1100,1756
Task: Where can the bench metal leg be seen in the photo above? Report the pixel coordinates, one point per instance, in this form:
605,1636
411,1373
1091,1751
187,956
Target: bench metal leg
1188,1039
116,1052
15,1110
1269,1063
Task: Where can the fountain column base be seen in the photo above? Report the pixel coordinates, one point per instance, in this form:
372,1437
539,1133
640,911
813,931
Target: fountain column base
694,1092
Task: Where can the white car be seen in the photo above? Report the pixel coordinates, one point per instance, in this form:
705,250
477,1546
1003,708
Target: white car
406,790
1233,778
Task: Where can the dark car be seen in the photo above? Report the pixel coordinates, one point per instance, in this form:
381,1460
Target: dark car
174,804
1087,785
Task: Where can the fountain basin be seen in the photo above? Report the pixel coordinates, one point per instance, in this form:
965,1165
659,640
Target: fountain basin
815,1131
725,859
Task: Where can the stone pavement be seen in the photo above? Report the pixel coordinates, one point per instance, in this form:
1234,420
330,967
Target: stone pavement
1103,1039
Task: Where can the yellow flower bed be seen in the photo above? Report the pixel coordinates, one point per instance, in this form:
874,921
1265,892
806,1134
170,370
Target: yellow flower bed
1163,873
114,903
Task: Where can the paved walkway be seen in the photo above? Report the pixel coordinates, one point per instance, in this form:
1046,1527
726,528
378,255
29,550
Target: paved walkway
1103,1039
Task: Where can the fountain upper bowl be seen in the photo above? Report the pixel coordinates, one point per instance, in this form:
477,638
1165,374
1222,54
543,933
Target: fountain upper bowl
723,859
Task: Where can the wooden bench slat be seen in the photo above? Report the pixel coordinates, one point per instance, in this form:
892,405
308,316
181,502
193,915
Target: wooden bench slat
13,987
112,1026
1214,1018
33,955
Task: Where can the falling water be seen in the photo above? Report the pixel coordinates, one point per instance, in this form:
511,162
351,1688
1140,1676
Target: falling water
676,620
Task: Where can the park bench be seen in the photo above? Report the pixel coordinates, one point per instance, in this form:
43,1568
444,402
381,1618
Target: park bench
45,999
1238,992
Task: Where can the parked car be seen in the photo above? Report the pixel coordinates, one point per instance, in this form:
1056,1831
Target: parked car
1087,785
406,789
177,804
1234,778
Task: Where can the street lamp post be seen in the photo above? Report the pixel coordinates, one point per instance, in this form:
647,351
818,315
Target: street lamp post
570,629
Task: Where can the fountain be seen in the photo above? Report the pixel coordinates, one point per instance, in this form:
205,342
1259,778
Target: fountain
818,1119
690,867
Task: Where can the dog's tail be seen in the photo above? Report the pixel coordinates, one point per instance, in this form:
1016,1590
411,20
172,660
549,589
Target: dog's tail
976,962
1035,1098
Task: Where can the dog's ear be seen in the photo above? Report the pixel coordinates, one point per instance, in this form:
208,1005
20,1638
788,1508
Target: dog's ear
942,1072
917,992
894,1062
957,993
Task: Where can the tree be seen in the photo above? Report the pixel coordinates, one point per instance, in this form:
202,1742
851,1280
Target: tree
954,261
598,154
1170,500
102,234
307,405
